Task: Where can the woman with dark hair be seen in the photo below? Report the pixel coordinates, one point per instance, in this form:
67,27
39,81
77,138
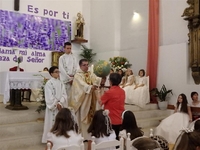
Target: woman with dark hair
113,100
188,140
129,125
64,131
170,127
101,127
195,100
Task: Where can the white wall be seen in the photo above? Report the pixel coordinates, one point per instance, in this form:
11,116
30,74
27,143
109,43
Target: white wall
105,28
173,67
71,6
173,29
134,33
173,70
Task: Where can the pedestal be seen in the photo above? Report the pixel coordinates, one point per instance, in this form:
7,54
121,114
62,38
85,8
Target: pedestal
79,40
15,101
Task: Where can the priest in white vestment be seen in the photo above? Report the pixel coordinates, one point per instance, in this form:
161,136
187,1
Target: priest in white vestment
83,98
68,66
55,98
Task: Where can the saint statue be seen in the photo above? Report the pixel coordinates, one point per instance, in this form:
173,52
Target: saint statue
79,27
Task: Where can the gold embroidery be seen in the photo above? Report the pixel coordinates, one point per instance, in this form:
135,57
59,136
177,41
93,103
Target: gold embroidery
88,79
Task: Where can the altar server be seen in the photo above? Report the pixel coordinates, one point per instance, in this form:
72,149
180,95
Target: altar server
55,98
68,66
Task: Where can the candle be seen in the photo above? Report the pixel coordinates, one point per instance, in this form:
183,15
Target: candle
92,68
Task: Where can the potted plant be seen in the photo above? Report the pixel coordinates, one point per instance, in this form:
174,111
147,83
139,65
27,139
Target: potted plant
162,95
87,53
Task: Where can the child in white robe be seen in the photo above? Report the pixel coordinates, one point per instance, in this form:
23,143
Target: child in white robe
65,130
55,98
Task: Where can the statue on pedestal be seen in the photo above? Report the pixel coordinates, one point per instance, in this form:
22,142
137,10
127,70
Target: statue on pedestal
79,27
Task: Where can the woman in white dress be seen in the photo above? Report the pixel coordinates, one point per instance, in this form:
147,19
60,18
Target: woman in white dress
141,90
123,76
137,92
64,131
171,126
129,86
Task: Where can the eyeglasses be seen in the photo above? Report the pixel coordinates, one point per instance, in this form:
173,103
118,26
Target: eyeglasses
56,72
85,65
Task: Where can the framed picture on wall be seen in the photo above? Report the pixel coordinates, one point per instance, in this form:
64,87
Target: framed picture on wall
55,58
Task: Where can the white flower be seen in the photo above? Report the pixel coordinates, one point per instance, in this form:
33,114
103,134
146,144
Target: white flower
124,69
126,63
106,112
122,66
38,99
119,67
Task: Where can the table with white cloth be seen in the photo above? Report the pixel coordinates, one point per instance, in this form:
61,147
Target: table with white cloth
11,84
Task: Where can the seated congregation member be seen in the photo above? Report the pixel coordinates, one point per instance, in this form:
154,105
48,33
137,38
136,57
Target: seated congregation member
164,145
101,128
140,93
113,100
130,79
129,125
45,69
123,76
64,131
195,103
55,98
145,143
195,125
195,100
171,126
188,140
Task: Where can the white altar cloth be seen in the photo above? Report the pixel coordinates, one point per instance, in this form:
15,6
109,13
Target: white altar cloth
20,80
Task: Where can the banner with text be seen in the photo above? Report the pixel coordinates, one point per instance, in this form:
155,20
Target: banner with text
33,32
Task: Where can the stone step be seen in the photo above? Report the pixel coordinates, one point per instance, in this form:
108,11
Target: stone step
151,113
149,122
26,128
35,147
21,141
136,108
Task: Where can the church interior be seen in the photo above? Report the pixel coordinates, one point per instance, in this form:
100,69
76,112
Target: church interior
159,36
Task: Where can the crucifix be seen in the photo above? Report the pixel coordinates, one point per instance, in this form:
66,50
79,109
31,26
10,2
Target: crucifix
16,5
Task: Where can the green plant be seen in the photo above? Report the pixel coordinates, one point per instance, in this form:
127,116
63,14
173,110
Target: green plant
162,93
87,53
